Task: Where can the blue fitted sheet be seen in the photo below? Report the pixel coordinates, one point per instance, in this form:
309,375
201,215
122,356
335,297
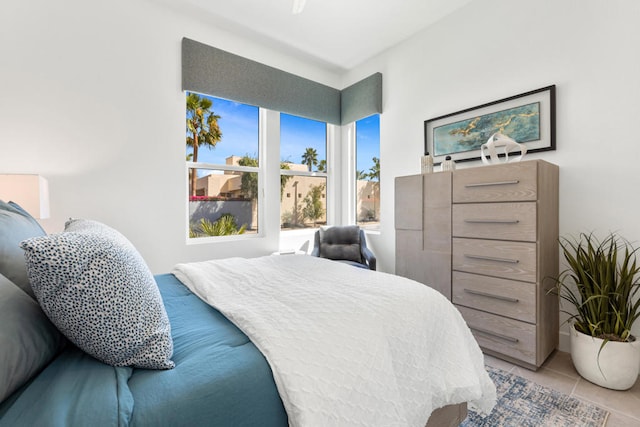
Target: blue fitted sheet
220,379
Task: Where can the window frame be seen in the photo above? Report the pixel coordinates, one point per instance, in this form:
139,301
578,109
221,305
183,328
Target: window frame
329,175
269,173
353,176
261,170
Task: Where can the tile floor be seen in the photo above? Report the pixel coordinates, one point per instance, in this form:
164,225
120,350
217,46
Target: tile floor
558,373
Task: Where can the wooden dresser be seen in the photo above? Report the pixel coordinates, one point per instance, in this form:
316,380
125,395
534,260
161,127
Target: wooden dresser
487,238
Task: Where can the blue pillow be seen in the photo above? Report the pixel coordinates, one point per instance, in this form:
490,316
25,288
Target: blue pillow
15,226
28,340
96,288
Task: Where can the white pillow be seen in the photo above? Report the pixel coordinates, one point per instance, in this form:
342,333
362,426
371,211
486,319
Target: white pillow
96,288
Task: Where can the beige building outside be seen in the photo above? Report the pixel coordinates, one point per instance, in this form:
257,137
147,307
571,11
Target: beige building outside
303,201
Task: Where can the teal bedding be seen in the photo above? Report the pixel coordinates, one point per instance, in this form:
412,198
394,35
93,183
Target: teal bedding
220,379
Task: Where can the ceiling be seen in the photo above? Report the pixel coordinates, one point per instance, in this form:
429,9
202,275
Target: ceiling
335,34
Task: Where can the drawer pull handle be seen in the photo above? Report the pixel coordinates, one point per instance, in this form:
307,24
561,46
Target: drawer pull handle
490,258
503,337
492,221
489,184
485,294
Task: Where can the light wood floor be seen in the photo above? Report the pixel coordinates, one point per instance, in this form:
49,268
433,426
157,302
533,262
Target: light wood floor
558,373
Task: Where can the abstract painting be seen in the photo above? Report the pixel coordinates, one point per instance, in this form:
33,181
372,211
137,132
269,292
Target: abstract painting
527,118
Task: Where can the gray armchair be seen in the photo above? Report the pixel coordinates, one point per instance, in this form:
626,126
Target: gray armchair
344,243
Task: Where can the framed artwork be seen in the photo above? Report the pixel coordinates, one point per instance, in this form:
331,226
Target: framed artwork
528,118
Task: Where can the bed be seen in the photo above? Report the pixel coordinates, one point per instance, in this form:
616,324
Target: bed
219,363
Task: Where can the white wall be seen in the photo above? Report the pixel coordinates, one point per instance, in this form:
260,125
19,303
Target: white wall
492,49
90,98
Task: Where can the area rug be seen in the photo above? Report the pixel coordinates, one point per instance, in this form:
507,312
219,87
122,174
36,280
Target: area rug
525,403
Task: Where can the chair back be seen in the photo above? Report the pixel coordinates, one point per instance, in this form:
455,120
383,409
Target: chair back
340,243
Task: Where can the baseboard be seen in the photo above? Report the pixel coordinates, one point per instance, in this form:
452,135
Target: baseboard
564,343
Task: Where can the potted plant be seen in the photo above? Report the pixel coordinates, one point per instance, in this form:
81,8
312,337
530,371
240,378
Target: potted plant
600,283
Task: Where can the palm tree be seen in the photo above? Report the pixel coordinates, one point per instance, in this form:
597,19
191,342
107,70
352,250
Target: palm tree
249,181
374,175
322,166
284,178
374,171
249,185
310,157
189,158
202,128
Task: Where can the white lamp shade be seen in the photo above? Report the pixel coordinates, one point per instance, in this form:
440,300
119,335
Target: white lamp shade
31,192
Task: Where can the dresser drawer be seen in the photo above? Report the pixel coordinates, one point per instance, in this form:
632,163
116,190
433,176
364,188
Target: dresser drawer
499,296
507,336
501,183
498,258
503,221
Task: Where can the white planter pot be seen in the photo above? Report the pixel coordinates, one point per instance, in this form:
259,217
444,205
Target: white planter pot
616,367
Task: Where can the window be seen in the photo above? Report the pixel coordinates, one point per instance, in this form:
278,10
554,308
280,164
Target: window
222,154
303,172
368,172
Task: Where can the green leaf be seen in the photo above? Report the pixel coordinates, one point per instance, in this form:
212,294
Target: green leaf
601,284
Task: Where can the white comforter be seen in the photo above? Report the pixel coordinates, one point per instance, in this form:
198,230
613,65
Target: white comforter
347,346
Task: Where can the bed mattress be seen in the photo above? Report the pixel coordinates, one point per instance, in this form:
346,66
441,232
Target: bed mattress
220,379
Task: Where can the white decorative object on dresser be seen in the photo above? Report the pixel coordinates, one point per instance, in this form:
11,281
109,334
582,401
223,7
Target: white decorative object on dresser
501,223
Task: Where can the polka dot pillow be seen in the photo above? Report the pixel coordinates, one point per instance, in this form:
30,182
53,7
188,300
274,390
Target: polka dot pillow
96,288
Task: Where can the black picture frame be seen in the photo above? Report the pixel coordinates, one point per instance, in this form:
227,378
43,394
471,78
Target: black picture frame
460,134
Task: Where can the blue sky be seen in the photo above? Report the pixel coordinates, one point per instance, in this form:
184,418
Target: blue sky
367,142
297,133
239,126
